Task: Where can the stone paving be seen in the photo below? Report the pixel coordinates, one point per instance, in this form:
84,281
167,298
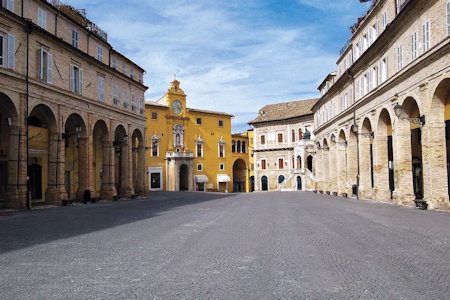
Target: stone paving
278,245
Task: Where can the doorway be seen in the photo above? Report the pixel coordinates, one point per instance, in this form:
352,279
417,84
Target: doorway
264,185
299,183
35,175
184,177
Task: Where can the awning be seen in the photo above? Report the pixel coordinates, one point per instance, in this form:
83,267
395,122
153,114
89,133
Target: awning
201,178
223,178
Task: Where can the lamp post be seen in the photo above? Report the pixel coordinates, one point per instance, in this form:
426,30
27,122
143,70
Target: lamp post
398,110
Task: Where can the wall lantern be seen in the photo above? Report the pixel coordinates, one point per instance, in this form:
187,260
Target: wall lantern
398,110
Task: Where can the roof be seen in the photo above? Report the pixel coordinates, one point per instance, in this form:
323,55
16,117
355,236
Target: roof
285,110
154,103
210,112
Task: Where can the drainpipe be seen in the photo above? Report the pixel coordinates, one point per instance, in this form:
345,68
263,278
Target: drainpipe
28,29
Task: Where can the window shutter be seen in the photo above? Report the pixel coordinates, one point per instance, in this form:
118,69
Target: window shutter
49,67
11,51
40,64
357,89
71,83
80,72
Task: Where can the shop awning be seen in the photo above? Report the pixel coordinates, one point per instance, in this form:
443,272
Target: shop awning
223,178
201,178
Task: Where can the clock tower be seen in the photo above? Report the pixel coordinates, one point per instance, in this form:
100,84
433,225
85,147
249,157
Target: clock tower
176,100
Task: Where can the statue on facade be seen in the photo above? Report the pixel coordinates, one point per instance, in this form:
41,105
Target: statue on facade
307,134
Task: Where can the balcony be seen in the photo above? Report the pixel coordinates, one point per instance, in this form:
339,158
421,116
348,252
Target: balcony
173,154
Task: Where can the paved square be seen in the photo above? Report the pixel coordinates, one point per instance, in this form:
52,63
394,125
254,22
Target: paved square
291,245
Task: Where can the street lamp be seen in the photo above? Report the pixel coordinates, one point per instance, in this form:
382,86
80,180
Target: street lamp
398,110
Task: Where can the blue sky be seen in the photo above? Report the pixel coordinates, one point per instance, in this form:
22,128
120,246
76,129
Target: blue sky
233,56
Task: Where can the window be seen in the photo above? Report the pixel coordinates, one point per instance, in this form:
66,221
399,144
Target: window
8,4
414,46
140,77
280,138
45,66
243,147
8,44
357,89
124,68
113,62
141,105
293,135
263,139
233,146
345,101
370,36
220,123
199,121
400,57
351,95
155,147
131,73
238,147
448,17
366,83
101,89
154,115
115,94
199,167
221,150
199,149
42,18
280,163
263,164
99,53
76,79
125,98
221,167
345,64
133,102
74,38
384,20
383,71
426,36
300,134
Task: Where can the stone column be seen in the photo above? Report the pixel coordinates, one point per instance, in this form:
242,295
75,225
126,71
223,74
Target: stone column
434,161
126,189
332,169
318,169
326,170
404,191
51,194
12,197
107,190
341,168
352,163
61,158
365,180
381,169
84,170
140,178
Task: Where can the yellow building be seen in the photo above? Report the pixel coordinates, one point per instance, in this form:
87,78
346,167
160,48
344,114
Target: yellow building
189,149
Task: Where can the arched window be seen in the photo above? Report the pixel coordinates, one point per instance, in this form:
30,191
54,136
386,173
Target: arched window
238,146
233,146
300,134
243,147
293,135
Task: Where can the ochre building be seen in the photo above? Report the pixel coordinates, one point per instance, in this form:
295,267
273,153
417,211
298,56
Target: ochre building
192,149
71,109
383,119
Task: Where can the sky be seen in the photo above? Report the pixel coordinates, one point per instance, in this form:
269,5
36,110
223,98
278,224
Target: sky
232,56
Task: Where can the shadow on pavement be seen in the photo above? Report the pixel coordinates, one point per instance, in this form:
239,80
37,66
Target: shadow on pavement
27,228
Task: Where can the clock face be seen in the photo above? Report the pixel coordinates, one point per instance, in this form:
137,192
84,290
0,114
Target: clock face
176,107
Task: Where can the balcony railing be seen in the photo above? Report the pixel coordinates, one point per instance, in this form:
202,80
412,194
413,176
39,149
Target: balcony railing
174,154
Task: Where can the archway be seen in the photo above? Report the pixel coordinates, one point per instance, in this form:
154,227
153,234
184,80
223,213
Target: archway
12,152
384,158
101,161
122,180
299,183
437,181
77,176
326,166
281,179
239,176
264,183
184,177
366,161
138,164
415,147
44,150
310,163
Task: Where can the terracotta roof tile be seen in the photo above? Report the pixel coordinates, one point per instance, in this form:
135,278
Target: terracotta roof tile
286,110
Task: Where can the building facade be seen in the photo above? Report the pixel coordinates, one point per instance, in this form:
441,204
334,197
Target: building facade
382,122
72,109
191,149
283,147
